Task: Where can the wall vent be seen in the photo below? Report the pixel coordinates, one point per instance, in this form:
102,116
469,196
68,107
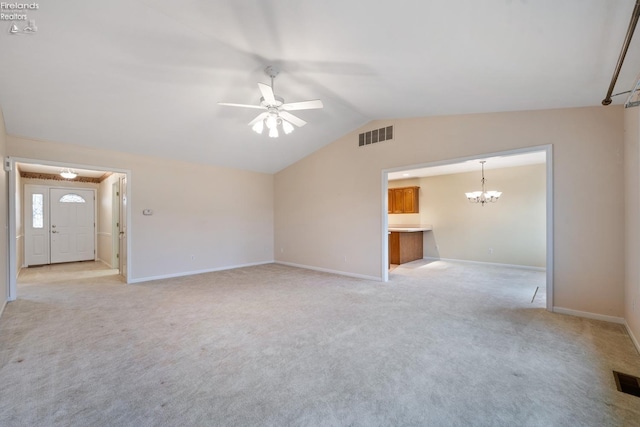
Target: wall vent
375,136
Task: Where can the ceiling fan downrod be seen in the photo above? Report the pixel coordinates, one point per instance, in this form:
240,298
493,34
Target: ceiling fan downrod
272,72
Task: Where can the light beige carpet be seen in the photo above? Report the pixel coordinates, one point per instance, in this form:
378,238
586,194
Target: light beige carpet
441,344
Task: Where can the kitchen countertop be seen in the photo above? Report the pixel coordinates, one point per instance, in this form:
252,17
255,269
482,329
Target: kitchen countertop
409,228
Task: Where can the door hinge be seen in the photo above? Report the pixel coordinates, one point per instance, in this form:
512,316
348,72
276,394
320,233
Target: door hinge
117,255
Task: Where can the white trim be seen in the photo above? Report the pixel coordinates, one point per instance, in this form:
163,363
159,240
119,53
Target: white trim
12,261
550,228
328,270
4,304
589,315
190,273
633,337
497,264
103,233
548,149
105,263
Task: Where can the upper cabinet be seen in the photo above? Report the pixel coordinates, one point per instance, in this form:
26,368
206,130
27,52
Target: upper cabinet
403,200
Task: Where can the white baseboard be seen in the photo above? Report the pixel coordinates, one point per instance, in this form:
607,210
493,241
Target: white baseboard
191,273
633,337
4,304
111,267
522,267
589,315
327,270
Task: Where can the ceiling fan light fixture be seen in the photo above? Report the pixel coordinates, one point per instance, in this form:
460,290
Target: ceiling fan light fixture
258,127
287,127
277,110
272,121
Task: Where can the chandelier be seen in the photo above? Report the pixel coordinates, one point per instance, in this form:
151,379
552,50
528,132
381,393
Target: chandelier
271,122
483,196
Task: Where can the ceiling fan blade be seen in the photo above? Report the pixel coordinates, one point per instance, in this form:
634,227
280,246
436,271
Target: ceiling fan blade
293,119
228,104
267,93
261,116
303,105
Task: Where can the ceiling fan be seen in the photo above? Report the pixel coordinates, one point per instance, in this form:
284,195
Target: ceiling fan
277,110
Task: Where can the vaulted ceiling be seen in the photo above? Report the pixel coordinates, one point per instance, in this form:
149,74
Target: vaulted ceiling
145,76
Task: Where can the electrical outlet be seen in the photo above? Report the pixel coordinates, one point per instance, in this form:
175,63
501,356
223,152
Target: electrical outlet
345,258
193,257
490,251
281,250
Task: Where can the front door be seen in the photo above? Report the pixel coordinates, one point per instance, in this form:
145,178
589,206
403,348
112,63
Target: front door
72,225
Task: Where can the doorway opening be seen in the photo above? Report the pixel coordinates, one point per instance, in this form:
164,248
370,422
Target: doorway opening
467,233
55,220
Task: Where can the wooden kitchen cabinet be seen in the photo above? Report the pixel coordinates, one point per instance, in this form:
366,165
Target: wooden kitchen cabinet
403,200
405,247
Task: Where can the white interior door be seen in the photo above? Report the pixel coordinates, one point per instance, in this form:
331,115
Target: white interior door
115,224
123,227
72,224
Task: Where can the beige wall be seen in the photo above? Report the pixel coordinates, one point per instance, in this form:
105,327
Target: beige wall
223,217
632,221
513,228
4,219
329,204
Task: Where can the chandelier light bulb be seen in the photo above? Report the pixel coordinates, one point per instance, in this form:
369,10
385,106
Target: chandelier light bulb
273,132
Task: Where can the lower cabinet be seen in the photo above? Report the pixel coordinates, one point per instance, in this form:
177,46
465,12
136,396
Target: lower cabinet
405,247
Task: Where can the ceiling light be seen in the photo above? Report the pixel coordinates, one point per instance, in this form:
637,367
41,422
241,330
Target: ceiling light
271,121
483,196
68,173
258,127
287,127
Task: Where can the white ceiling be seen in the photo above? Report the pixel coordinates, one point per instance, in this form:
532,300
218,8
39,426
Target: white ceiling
496,162
145,76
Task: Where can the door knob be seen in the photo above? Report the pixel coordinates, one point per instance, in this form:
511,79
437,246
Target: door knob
53,226
54,231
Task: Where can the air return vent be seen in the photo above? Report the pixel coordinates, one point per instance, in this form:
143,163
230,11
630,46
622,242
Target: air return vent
627,383
375,136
